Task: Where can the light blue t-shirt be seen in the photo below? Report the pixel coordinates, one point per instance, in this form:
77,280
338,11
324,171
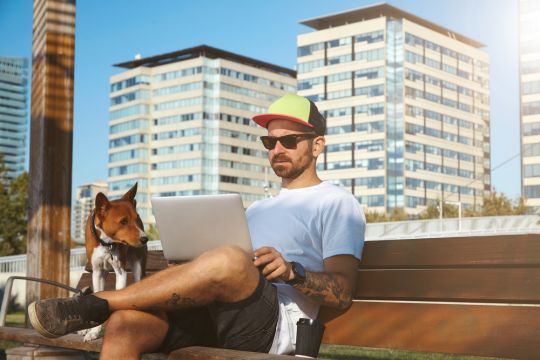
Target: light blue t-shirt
306,225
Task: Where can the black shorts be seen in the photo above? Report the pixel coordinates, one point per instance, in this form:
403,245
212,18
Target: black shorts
247,325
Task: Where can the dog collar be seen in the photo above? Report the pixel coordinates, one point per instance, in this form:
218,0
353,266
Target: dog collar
94,230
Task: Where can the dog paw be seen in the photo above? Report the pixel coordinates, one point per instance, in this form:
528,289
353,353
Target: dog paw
83,332
94,333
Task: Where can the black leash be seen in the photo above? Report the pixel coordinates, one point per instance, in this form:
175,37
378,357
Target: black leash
94,230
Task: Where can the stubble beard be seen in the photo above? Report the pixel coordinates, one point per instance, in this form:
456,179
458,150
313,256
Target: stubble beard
291,173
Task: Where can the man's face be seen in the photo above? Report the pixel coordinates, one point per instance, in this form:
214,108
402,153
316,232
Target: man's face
290,163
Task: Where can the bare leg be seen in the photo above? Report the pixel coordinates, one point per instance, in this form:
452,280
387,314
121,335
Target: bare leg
225,274
130,333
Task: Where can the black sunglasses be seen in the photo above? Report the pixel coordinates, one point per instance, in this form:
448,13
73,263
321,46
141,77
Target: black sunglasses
288,141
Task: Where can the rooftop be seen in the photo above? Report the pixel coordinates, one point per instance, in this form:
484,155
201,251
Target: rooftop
204,51
382,10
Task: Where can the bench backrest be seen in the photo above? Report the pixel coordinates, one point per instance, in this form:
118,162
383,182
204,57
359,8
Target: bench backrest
465,295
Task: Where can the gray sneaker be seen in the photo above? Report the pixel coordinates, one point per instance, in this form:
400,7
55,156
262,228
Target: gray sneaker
57,317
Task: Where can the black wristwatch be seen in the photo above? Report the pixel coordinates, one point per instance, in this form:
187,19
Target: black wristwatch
299,274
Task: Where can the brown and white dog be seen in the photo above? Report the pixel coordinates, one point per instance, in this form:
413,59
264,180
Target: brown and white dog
114,238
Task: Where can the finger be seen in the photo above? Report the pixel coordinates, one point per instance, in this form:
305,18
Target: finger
274,265
270,268
264,250
264,259
275,274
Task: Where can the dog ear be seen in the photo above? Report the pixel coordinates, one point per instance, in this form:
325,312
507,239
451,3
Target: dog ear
102,204
130,195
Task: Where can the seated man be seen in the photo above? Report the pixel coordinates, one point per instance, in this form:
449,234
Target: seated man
308,241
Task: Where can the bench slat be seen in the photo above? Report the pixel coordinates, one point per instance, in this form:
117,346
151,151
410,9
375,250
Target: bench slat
71,341
202,353
523,250
517,285
484,330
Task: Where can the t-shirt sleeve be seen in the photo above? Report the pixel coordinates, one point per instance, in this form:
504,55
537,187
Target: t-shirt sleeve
344,227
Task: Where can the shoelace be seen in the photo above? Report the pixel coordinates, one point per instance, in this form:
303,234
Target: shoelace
72,309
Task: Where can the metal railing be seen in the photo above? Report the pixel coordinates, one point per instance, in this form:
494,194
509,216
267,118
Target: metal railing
77,259
411,229
452,227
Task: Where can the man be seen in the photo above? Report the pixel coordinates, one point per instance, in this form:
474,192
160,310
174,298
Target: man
308,241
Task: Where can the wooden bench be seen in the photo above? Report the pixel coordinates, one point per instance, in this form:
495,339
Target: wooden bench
468,295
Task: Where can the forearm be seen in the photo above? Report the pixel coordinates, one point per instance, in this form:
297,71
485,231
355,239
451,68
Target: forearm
328,289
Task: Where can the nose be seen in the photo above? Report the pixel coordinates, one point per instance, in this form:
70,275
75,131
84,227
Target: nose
144,240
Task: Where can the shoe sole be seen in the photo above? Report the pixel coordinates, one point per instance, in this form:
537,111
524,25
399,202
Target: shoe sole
36,324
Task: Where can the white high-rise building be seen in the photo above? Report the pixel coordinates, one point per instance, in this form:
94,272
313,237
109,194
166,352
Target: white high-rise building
83,205
529,74
180,125
407,105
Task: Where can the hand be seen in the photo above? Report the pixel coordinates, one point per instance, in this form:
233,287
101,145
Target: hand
272,264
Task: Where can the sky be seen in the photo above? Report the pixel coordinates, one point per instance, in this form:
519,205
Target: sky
113,31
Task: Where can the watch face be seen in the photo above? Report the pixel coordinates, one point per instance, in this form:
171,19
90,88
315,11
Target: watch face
299,273
299,270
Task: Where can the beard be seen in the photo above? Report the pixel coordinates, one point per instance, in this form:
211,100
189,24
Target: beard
285,168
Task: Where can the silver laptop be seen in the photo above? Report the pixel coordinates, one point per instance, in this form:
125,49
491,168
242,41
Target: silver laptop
191,225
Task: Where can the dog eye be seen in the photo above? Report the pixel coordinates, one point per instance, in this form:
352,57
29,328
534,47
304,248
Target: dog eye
124,221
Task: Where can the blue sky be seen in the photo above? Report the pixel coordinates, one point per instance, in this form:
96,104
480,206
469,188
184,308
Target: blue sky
113,31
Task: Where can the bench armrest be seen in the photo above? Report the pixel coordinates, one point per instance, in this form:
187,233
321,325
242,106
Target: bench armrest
9,285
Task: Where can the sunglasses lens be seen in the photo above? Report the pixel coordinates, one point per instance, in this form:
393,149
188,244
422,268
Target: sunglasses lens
269,142
288,141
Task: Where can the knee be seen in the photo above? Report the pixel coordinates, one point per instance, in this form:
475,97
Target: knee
227,262
118,324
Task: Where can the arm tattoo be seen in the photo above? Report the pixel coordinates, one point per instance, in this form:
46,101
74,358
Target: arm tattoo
328,289
177,302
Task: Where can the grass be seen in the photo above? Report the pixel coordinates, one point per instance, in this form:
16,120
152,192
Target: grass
340,352
12,319
15,319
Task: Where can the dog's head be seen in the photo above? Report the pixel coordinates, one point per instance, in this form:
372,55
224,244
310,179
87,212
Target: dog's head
118,219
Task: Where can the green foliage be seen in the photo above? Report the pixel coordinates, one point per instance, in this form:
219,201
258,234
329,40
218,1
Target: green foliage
152,232
13,213
374,217
520,208
398,214
431,212
495,204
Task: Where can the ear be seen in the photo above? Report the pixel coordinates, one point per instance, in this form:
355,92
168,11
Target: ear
130,195
102,204
318,146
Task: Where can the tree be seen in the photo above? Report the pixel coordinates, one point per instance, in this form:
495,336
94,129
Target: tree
13,212
496,204
432,211
520,208
374,216
398,214
152,232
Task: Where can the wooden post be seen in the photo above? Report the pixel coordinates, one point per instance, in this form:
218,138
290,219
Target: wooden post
51,140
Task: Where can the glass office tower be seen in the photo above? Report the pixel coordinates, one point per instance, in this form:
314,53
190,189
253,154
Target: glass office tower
13,113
